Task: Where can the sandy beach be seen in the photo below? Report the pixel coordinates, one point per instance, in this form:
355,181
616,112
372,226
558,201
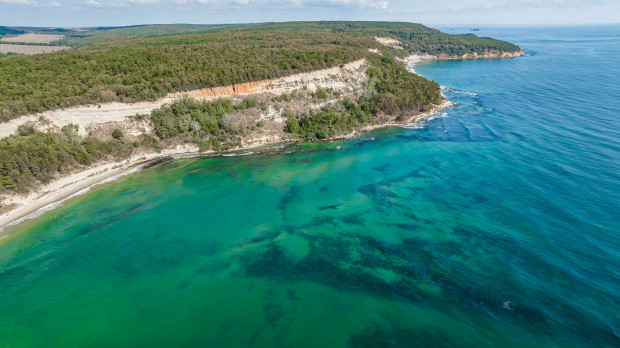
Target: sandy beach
67,186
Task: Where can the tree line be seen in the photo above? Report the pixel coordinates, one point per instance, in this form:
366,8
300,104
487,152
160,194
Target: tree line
147,62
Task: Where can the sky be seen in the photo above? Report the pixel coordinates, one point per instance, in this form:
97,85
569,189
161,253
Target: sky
89,13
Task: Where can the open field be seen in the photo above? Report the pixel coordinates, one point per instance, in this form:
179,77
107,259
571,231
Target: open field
33,38
30,50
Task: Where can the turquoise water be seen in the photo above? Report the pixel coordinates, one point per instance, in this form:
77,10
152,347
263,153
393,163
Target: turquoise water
493,225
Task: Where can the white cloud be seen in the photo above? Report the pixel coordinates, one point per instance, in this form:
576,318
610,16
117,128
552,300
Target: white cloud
55,3
19,2
92,3
143,2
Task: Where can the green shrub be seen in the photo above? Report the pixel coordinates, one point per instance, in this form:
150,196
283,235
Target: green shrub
117,134
320,94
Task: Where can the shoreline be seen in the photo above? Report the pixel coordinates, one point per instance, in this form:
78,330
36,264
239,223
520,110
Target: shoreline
53,194
412,60
61,189
56,192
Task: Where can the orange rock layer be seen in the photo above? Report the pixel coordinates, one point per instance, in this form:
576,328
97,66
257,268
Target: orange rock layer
225,91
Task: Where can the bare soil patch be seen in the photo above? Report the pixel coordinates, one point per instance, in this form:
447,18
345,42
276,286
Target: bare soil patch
29,49
33,38
389,42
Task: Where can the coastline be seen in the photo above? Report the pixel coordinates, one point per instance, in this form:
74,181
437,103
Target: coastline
71,185
412,60
51,195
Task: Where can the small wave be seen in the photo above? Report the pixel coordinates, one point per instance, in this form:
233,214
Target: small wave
509,305
453,90
237,154
441,115
418,126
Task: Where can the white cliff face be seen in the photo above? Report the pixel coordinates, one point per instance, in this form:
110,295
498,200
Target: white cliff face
389,42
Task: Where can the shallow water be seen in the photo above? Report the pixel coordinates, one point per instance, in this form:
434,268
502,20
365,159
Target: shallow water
493,225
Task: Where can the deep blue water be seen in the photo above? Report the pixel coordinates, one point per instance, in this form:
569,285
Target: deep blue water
495,224
552,122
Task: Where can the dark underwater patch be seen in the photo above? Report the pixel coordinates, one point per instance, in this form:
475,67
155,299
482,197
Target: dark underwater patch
354,219
407,227
424,337
289,197
127,212
158,161
329,207
330,262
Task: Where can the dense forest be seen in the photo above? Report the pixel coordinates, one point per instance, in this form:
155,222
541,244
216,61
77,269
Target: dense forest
115,34
147,69
416,38
9,31
146,63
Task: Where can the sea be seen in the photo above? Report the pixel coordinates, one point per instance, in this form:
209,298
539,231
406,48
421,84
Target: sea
494,224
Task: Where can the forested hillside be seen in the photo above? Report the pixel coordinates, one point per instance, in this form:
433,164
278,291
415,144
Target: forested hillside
9,31
116,34
147,69
147,62
416,38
